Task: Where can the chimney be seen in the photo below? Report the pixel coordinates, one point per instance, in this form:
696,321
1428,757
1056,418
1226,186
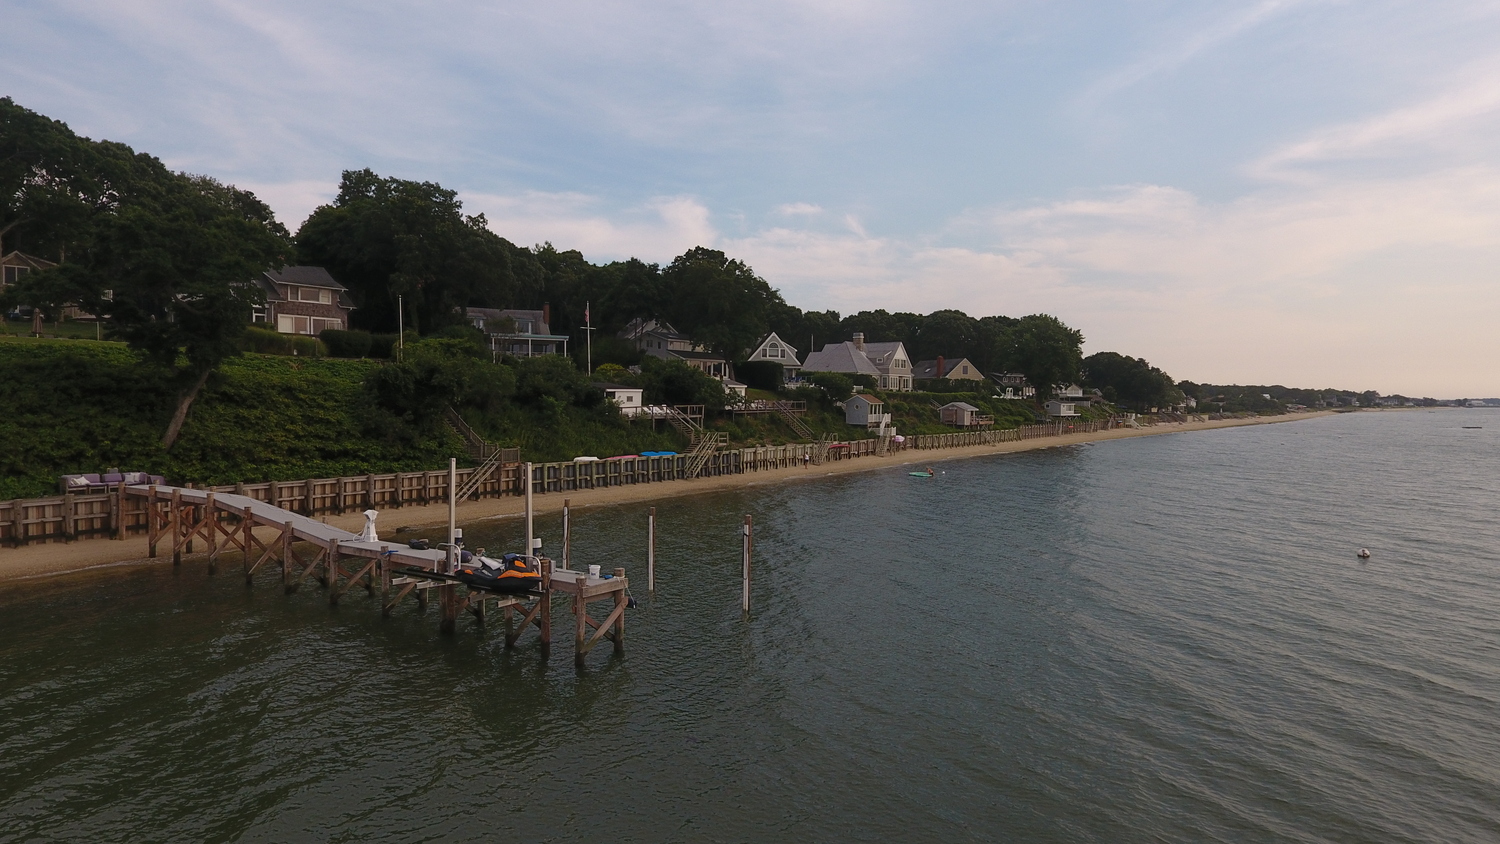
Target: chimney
547,316
859,340
939,373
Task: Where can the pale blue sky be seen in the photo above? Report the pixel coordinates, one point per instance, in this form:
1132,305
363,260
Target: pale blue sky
1302,191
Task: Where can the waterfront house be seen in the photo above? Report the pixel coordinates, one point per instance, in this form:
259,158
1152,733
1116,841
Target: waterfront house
887,363
302,300
630,400
1012,385
1058,408
518,333
659,339
773,349
961,414
17,265
866,411
957,369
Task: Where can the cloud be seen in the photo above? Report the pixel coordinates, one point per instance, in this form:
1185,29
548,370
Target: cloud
799,209
656,231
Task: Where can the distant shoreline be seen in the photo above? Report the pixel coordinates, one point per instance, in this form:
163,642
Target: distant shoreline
53,559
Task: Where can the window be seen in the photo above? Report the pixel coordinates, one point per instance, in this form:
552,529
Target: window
966,369
314,294
258,314
13,274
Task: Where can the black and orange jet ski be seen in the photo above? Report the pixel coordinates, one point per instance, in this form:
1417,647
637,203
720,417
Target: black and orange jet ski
511,573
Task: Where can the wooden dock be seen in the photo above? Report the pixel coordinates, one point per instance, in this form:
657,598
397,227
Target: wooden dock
178,519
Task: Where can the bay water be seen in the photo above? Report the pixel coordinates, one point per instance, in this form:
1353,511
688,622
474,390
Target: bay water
1167,638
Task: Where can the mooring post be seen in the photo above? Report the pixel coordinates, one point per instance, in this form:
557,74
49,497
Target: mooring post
448,603
331,571
211,520
153,521
385,574
545,614
580,614
530,533
619,612
247,528
651,550
567,535
745,587
286,559
174,518
117,512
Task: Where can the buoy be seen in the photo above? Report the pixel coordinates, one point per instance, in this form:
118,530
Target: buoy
1364,554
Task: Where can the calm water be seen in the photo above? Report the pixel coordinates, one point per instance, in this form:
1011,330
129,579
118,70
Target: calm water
1160,639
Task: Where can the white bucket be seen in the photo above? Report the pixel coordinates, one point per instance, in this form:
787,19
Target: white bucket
593,571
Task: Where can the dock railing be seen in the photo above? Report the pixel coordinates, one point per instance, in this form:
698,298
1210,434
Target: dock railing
118,513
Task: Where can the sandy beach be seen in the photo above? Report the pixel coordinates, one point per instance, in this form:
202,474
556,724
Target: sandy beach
61,558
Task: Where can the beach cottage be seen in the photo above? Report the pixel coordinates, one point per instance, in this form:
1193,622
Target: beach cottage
866,411
630,400
1057,409
957,369
887,363
773,349
961,414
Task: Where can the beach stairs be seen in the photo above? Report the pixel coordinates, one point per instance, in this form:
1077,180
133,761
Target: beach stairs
705,445
794,419
490,457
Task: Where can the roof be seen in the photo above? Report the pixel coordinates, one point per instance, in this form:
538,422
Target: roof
882,350
867,397
641,326
686,355
17,258
928,368
538,324
304,277
961,405
840,357
774,336
604,385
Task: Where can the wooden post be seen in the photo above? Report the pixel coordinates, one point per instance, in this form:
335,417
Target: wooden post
117,512
448,603
331,571
307,493
18,523
396,492
286,560
369,492
153,521
567,534
745,586
69,520
580,616
546,609
651,551
452,565
211,519
247,529
174,518
619,613
530,534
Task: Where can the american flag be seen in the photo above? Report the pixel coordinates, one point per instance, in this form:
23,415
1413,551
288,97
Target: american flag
586,314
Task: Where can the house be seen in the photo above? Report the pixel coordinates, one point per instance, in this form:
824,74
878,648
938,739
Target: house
887,363
659,339
1068,391
1012,385
302,300
963,415
776,350
630,400
1057,408
957,369
17,265
866,411
518,333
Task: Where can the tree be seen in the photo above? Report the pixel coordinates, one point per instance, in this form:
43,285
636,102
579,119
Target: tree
166,257
1131,382
386,239
718,301
1046,351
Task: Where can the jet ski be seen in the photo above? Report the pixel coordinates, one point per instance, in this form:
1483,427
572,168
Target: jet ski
512,573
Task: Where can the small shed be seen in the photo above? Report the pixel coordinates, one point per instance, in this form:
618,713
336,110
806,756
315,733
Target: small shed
629,399
1058,409
961,414
866,411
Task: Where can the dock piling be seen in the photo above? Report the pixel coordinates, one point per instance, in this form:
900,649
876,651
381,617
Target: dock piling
745,567
567,540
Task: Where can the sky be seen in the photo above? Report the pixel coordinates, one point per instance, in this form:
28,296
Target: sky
1304,192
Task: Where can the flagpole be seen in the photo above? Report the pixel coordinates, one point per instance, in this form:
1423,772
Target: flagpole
588,326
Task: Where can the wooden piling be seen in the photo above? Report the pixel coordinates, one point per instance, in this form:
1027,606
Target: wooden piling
448,604
153,521
211,519
567,540
580,620
174,516
545,615
619,614
745,568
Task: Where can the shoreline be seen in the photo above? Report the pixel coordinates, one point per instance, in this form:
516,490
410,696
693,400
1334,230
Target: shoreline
54,559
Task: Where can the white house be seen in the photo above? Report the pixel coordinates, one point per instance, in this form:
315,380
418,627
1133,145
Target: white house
630,400
1057,408
1068,391
776,350
866,411
519,333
